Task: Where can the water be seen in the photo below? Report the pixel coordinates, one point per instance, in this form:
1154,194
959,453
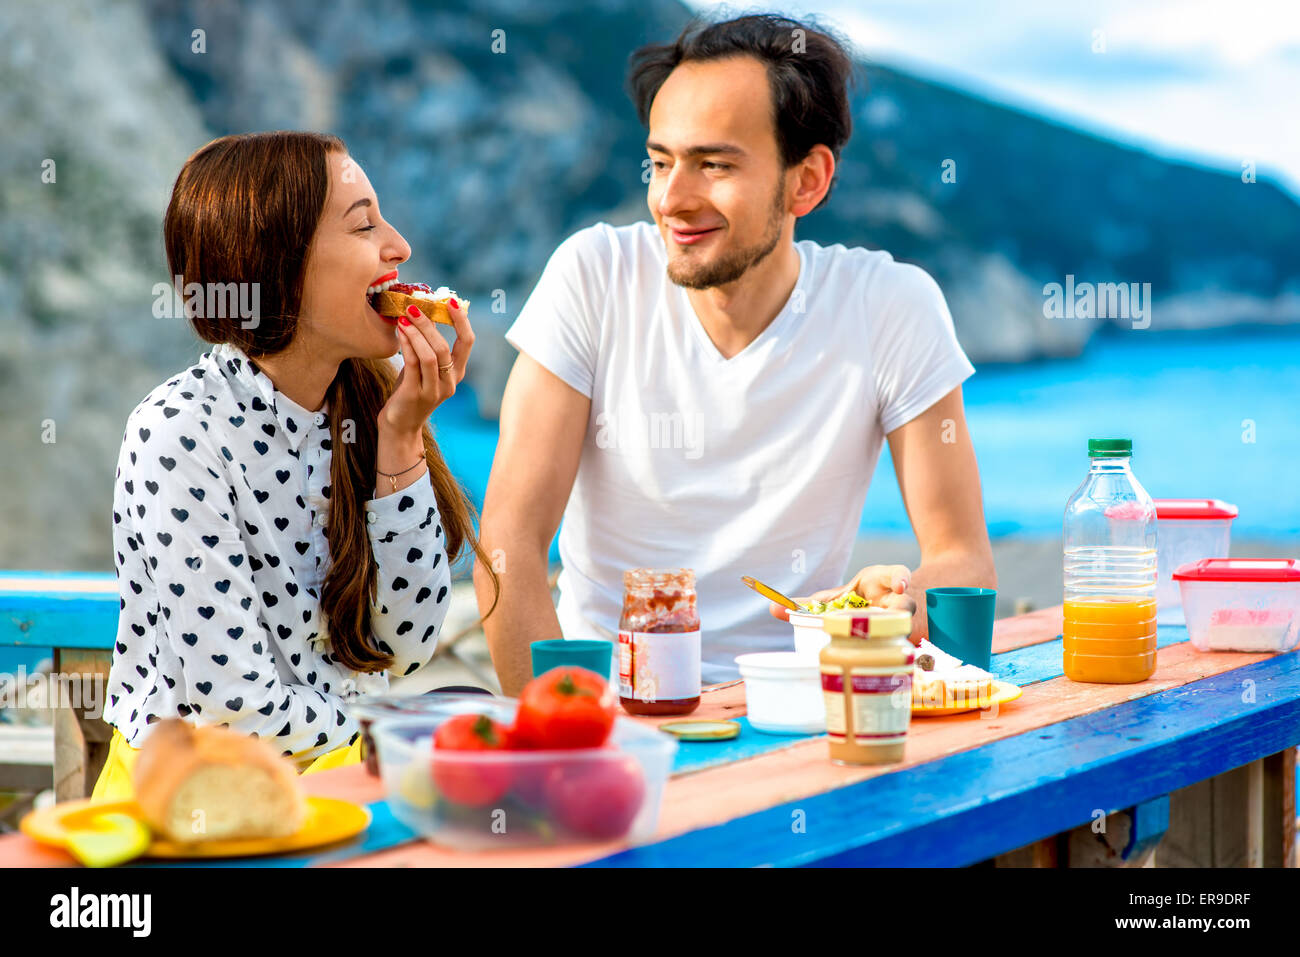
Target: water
1213,414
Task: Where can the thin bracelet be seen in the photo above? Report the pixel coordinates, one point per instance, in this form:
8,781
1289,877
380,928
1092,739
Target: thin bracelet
392,477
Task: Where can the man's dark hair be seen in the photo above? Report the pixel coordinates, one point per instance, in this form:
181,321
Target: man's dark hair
808,71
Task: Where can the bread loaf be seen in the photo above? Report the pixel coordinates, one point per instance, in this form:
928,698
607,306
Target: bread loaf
204,783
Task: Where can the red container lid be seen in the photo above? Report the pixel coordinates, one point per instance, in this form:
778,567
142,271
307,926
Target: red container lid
1180,509
1240,570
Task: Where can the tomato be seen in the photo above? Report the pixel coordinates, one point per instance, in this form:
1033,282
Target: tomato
598,799
466,780
528,785
565,708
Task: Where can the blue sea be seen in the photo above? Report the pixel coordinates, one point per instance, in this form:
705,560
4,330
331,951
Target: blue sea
1212,414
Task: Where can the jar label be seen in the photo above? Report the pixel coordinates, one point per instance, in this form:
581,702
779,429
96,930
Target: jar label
660,666
880,707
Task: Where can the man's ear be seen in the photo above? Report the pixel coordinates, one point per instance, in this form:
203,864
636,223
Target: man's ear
812,179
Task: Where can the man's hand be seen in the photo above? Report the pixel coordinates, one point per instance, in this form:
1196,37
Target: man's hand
885,586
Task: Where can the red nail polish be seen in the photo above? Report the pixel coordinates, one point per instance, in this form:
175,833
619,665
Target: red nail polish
412,311
403,320
452,302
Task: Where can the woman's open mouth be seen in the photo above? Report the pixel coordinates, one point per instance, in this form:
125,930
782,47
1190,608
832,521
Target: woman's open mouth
384,282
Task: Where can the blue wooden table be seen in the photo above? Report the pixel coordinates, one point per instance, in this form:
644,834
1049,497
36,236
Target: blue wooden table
1197,762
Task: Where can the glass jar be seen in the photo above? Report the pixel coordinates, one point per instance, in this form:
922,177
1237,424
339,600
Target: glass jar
867,684
659,642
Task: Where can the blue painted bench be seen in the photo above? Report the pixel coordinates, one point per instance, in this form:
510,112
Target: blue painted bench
70,617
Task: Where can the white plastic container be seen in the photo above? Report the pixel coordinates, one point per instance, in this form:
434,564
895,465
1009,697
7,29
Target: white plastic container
1190,529
809,639
783,692
1242,604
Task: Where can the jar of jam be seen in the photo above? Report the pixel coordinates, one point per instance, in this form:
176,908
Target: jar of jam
867,684
659,642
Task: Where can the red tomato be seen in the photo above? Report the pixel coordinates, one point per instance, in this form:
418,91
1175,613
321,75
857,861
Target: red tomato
599,799
565,708
468,781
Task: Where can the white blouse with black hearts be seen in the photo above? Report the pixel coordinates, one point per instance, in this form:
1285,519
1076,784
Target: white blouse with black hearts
219,514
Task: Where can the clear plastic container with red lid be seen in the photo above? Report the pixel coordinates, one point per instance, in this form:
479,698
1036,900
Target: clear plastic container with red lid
1242,604
659,642
1190,529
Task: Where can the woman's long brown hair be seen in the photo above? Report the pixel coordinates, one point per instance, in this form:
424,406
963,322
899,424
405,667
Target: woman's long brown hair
244,210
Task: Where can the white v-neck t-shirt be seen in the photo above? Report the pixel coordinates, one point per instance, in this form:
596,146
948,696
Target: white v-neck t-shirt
754,465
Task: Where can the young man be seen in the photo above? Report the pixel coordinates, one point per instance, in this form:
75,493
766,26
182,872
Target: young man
705,392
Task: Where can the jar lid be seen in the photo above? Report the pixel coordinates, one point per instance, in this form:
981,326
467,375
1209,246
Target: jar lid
1240,570
658,576
867,623
1178,509
701,729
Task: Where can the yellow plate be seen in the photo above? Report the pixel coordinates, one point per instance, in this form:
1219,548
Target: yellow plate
328,820
1003,691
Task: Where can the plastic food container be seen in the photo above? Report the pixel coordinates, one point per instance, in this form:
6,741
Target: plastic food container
783,692
371,708
1242,604
1188,529
809,639
477,801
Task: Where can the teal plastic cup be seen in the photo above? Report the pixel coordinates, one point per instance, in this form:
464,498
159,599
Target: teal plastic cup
961,622
597,656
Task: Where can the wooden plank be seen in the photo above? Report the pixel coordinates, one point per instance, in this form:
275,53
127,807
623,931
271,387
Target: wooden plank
1031,629
1242,818
23,744
81,735
75,626
1190,841
14,583
1044,853
1279,809
1043,660
58,609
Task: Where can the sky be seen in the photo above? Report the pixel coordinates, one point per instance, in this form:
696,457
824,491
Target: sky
1215,83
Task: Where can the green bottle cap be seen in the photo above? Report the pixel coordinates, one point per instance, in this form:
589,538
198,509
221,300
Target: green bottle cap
1110,448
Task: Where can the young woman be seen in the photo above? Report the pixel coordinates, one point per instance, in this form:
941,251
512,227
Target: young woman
283,519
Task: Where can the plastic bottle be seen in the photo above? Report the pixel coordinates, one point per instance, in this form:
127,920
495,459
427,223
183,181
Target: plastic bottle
1109,633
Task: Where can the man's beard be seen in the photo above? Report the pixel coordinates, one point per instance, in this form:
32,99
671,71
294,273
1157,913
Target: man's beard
734,264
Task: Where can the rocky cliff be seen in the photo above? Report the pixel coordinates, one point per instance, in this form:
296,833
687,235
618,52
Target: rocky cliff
491,130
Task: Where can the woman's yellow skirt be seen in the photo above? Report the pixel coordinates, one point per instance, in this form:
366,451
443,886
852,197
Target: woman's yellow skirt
114,782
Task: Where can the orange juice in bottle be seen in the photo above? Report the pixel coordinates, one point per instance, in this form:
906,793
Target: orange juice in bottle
1109,632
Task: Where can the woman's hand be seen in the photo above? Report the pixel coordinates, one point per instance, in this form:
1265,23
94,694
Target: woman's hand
432,368
884,585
